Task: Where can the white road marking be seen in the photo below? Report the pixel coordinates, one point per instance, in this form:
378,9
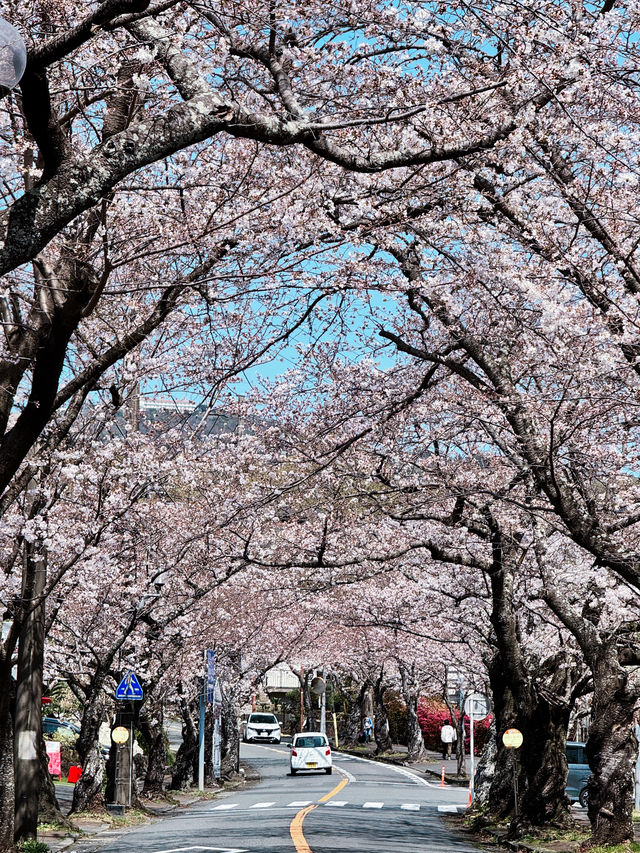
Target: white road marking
410,807
299,804
262,805
451,809
402,770
224,807
209,849
372,805
346,773
338,803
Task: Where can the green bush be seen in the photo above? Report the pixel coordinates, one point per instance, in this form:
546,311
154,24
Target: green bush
30,845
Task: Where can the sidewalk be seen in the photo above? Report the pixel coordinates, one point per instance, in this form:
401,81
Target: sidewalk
92,832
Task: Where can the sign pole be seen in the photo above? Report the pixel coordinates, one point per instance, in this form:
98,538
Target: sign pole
201,733
131,755
513,739
472,750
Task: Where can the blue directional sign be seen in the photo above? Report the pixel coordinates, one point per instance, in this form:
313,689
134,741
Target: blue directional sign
129,688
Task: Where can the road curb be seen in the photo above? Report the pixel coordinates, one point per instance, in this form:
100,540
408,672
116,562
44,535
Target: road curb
450,780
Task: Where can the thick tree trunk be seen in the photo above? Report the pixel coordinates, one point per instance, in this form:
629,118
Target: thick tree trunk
151,725
28,709
310,722
415,741
185,769
612,749
381,721
230,746
541,762
209,778
486,770
536,700
88,795
352,725
7,791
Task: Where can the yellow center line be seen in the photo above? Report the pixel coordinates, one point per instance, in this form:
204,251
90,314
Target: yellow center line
336,790
297,836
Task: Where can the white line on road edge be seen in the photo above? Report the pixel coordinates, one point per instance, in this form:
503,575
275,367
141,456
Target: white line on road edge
210,849
372,805
346,773
410,807
262,805
402,770
451,809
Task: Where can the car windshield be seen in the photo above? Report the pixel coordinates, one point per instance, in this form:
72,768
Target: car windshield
262,718
309,742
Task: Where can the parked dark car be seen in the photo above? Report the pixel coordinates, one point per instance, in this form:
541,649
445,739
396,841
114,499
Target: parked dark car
50,726
579,773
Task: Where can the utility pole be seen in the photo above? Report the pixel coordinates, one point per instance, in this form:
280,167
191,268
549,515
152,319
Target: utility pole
28,719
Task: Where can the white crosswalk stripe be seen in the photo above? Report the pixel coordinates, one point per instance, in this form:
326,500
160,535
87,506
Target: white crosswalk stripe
300,804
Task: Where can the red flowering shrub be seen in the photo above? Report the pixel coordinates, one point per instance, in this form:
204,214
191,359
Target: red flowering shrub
433,714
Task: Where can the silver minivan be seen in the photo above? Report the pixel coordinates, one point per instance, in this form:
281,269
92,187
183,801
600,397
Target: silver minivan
579,772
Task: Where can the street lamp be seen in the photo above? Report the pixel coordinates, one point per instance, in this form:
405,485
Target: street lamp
13,56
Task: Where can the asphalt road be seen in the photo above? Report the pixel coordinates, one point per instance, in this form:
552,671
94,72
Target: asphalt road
362,806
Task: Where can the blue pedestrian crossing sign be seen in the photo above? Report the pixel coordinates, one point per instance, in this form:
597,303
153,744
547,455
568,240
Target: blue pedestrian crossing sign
129,688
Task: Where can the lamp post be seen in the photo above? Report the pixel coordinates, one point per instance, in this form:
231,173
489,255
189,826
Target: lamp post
13,56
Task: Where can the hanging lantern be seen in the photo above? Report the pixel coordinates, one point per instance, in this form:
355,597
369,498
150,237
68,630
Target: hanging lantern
13,55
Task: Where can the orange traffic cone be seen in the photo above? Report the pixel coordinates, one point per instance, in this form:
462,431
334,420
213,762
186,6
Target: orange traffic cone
470,793
442,778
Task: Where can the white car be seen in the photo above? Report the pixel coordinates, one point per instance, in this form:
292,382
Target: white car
262,727
310,751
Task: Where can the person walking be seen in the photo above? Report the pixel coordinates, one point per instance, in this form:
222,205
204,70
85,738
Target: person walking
368,729
448,737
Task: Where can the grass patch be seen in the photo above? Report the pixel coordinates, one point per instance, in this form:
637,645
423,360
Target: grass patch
30,845
134,817
550,836
55,826
629,847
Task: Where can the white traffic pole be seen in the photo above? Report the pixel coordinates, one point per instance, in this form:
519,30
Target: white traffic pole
471,749
323,712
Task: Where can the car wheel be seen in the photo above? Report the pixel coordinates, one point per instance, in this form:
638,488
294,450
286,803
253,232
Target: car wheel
328,771
278,741
583,799
293,772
